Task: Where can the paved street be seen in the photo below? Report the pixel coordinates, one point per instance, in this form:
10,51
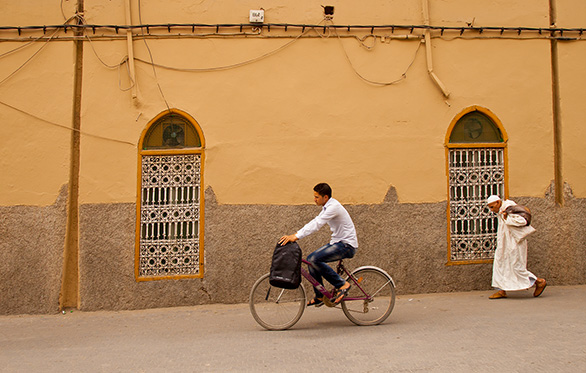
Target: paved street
450,332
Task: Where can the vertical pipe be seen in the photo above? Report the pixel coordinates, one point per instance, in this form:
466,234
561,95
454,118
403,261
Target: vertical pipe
130,49
69,295
433,76
556,108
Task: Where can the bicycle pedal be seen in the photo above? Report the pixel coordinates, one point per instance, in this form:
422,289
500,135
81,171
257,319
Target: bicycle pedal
328,302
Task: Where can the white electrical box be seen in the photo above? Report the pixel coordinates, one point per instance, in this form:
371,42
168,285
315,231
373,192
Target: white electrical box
257,16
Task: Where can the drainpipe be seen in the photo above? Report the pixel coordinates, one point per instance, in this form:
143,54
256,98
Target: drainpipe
434,77
130,49
556,110
69,295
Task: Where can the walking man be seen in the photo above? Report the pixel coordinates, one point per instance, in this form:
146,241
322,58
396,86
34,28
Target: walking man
509,269
343,243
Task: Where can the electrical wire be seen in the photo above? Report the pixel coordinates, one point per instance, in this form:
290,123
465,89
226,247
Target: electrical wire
132,82
66,127
151,57
331,29
62,11
100,59
29,59
117,66
46,42
461,29
210,69
46,120
282,47
378,83
21,47
51,37
232,66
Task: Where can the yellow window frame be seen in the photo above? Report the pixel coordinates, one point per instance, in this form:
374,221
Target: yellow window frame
448,146
180,151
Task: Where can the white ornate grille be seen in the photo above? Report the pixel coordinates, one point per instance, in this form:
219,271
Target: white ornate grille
169,215
475,174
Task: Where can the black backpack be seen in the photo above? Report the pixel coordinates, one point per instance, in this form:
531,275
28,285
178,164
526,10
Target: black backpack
286,266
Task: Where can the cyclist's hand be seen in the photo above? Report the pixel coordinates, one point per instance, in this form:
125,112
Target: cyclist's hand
286,239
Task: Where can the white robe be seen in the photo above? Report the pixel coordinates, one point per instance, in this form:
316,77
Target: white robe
509,269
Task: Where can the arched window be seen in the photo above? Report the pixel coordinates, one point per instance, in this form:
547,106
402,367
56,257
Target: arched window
169,228
476,152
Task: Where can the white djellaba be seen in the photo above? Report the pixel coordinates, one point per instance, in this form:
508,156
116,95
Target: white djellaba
509,271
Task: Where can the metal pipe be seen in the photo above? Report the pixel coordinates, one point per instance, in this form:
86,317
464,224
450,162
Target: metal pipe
130,49
556,111
427,39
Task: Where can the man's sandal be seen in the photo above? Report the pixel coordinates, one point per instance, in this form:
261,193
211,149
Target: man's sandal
498,295
318,302
341,294
539,288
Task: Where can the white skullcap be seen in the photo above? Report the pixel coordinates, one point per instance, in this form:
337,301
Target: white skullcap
492,199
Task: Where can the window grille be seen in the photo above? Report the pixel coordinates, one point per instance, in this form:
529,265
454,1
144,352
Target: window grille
475,174
170,215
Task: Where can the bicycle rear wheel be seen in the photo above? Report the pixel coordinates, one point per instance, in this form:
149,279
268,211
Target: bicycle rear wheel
380,291
276,308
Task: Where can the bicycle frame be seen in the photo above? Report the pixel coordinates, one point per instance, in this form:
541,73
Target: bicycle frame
340,270
369,303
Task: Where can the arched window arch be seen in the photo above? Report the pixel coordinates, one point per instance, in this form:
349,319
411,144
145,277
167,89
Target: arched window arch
476,154
169,227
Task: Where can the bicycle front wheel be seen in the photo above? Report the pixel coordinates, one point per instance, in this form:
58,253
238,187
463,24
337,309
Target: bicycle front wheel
377,304
276,308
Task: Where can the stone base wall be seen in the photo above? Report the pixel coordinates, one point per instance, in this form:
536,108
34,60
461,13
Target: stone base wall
31,257
408,240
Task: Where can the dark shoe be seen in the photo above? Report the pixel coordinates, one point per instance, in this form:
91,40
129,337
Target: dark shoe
318,302
341,294
539,288
498,295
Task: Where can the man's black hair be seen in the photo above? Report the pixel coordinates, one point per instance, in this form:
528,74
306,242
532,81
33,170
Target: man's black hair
323,189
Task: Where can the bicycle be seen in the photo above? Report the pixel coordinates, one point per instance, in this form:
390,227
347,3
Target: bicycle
370,301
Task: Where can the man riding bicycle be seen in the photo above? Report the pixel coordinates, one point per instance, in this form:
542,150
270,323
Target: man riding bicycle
343,243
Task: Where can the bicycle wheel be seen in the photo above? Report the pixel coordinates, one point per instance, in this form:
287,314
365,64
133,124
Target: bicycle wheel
276,308
381,297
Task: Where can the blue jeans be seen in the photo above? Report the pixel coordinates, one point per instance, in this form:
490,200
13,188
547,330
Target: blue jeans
326,254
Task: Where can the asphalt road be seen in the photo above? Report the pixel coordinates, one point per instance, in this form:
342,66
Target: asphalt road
449,332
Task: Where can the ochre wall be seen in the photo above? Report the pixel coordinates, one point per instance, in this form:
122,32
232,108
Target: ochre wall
573,93
301,115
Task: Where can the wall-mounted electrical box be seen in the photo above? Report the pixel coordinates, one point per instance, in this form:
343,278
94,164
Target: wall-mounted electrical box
257,16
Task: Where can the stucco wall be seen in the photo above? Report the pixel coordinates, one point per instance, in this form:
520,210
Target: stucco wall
31,257
408,240
287,115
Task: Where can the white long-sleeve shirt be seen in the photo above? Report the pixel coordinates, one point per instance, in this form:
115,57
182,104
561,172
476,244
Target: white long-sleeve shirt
336,216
